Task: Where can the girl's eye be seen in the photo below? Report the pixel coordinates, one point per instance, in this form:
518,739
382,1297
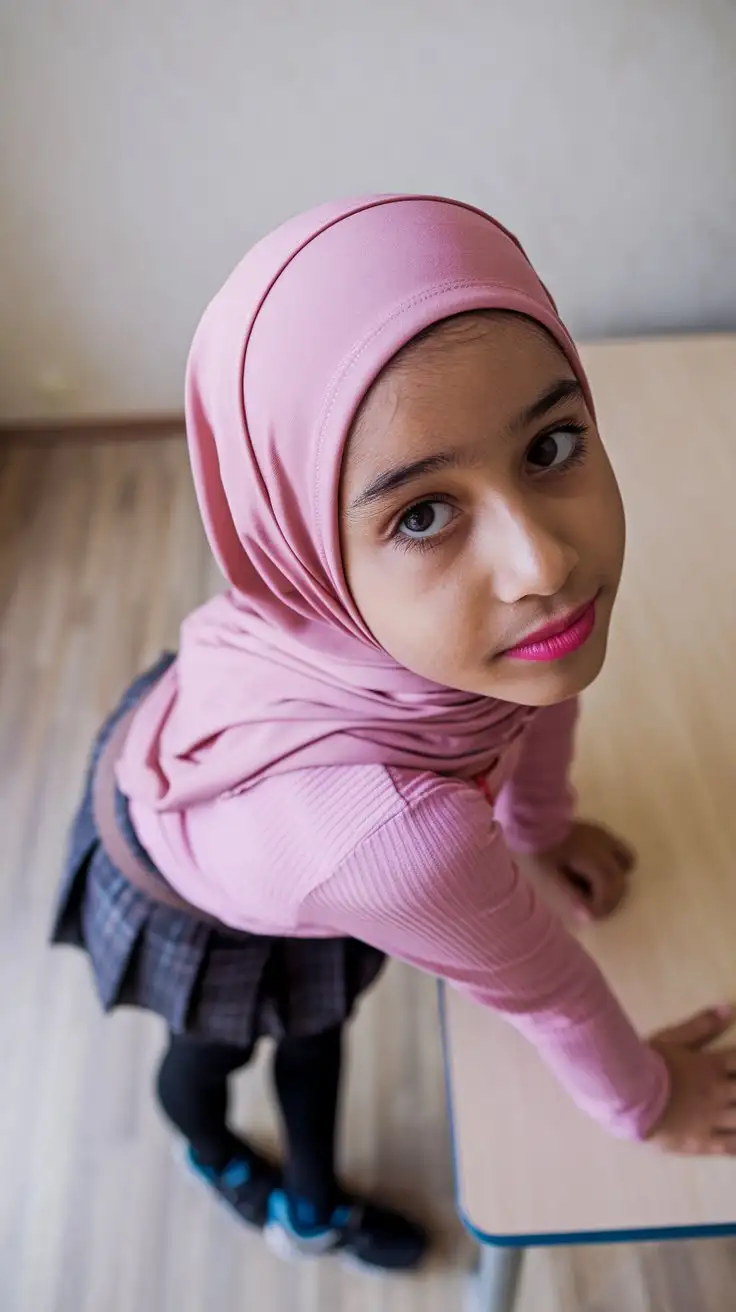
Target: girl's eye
558,449
425,520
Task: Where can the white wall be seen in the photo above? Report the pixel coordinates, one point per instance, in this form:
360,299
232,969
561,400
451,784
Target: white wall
146,143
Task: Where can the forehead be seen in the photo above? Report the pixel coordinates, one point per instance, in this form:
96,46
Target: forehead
483,338
488,366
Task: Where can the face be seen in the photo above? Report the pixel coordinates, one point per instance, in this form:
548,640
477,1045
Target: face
482,527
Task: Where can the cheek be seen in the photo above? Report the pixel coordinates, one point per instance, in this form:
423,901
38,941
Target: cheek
607,522
432,622
596,525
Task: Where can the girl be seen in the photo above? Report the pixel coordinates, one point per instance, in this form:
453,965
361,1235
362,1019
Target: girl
397,463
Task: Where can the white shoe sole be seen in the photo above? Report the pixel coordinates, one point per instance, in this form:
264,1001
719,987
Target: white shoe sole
278,1240
283,1246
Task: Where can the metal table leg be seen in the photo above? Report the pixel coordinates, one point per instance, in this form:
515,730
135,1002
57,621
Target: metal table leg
496,1281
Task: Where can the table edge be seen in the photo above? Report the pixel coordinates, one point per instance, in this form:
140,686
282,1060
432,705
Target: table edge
642,1235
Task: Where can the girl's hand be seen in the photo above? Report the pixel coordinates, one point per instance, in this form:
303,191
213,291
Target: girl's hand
700,1117
591,867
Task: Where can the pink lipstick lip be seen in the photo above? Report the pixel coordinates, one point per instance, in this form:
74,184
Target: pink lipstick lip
558,639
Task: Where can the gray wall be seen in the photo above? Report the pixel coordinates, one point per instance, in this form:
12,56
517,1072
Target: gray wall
146,143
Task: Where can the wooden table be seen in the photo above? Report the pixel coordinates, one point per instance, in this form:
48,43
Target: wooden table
656,761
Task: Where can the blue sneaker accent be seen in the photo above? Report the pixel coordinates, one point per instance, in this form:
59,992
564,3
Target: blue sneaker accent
245,1184
303,1217
359,1231
341,1216
233,1176
207,1173
236,1174
299,1235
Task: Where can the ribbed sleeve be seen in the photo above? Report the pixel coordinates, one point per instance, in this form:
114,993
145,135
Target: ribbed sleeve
535,808
437,887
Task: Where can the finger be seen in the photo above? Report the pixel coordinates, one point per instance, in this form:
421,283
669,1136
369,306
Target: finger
614,887
625,855
599,842
701,1029
725,1120
605,897
572,877
592,874
600,867
604,885
578,891
727,1061
724,1145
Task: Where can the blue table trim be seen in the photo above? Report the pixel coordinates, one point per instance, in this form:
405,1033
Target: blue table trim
570,1237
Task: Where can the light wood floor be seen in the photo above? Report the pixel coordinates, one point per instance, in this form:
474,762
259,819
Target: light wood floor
100,555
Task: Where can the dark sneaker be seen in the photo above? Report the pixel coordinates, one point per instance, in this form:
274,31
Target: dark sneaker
245,1184
359,1231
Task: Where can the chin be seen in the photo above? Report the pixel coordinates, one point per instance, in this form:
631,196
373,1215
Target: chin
560,680
550,682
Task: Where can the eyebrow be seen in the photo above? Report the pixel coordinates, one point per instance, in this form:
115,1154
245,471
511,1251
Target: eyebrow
401,474
564,389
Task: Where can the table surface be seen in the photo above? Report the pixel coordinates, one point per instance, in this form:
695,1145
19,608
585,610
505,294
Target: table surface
656,762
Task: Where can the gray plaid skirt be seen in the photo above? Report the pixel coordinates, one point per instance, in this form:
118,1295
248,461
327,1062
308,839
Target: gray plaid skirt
224,986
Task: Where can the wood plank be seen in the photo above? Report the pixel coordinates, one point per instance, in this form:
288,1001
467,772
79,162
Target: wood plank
93,428
102,556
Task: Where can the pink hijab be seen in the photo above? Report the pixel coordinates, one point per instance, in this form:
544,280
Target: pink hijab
281,673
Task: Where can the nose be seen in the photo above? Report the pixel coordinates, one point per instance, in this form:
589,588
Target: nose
528,555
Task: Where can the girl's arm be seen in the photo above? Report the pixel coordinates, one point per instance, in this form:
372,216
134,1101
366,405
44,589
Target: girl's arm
535,807
436,886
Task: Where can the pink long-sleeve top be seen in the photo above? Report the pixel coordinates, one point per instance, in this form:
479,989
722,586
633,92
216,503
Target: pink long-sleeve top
421,866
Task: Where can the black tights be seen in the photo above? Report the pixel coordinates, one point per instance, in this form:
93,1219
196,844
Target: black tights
193,1092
